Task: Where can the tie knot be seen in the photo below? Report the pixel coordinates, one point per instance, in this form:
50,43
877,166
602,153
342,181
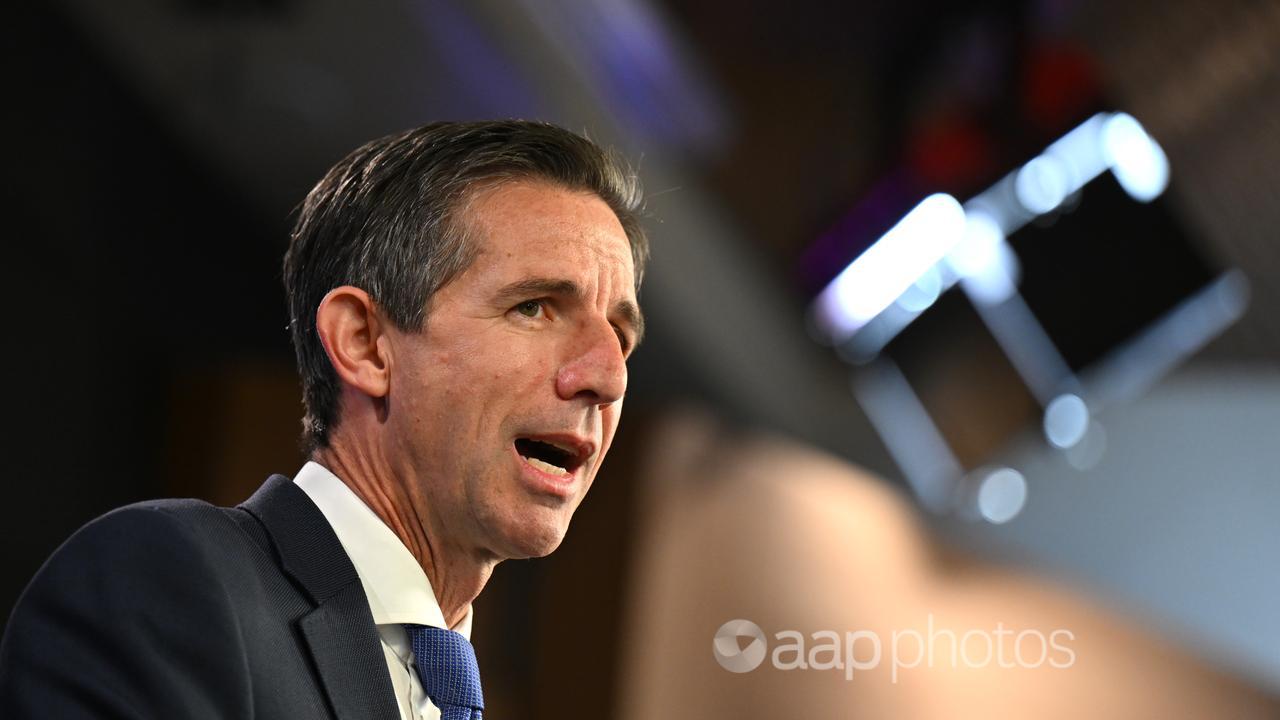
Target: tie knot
448,670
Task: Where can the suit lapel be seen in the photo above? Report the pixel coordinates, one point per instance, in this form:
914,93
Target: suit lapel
339,632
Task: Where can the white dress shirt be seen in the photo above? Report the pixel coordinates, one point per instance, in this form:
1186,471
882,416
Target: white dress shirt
398,589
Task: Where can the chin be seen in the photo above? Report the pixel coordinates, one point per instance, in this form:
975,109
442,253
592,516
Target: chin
535,533
535,542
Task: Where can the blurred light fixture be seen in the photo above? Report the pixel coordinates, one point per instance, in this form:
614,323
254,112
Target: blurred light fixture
1086,454
909,434
940,243
923,292
1001,495
970,240
1042,184
892,264
1066,420
983,261
1137,161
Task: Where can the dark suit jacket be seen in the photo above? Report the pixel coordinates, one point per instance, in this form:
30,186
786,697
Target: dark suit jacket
179,609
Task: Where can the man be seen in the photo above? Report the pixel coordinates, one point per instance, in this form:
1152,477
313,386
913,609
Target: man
463,299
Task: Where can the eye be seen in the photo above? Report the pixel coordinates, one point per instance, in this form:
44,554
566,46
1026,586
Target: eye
622,340
530,308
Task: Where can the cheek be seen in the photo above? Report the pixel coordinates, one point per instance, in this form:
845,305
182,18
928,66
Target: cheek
609,420
459,370
516,368
435,380
493,388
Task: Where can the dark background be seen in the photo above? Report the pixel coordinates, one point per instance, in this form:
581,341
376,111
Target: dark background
155,151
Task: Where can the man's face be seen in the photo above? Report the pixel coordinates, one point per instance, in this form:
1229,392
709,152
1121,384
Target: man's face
502,410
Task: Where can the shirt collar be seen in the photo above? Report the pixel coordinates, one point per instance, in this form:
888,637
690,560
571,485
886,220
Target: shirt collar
398,590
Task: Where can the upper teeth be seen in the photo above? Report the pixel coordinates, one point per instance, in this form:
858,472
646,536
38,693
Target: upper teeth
547,467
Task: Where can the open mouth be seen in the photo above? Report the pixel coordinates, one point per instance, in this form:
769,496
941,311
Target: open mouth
550,457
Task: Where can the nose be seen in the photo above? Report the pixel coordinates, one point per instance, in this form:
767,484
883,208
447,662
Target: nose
595,369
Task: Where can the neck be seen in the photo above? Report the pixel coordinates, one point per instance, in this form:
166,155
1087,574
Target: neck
457,573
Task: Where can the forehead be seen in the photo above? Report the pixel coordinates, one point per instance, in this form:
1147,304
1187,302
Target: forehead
536,227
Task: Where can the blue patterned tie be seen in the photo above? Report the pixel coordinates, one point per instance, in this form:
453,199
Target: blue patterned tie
448,671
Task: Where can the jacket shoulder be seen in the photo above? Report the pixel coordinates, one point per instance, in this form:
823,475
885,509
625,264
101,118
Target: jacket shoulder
140,598
182,526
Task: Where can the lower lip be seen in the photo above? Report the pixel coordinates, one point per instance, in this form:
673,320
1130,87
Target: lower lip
544,482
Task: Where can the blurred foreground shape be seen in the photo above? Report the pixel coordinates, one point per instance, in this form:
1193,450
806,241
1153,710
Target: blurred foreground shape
762,529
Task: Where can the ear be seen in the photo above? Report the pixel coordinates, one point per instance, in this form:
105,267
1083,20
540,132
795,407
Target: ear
351,331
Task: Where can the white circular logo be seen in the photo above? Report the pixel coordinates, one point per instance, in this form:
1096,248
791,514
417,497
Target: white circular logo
731,653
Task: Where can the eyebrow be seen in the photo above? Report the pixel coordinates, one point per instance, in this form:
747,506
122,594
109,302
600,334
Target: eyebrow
520,289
